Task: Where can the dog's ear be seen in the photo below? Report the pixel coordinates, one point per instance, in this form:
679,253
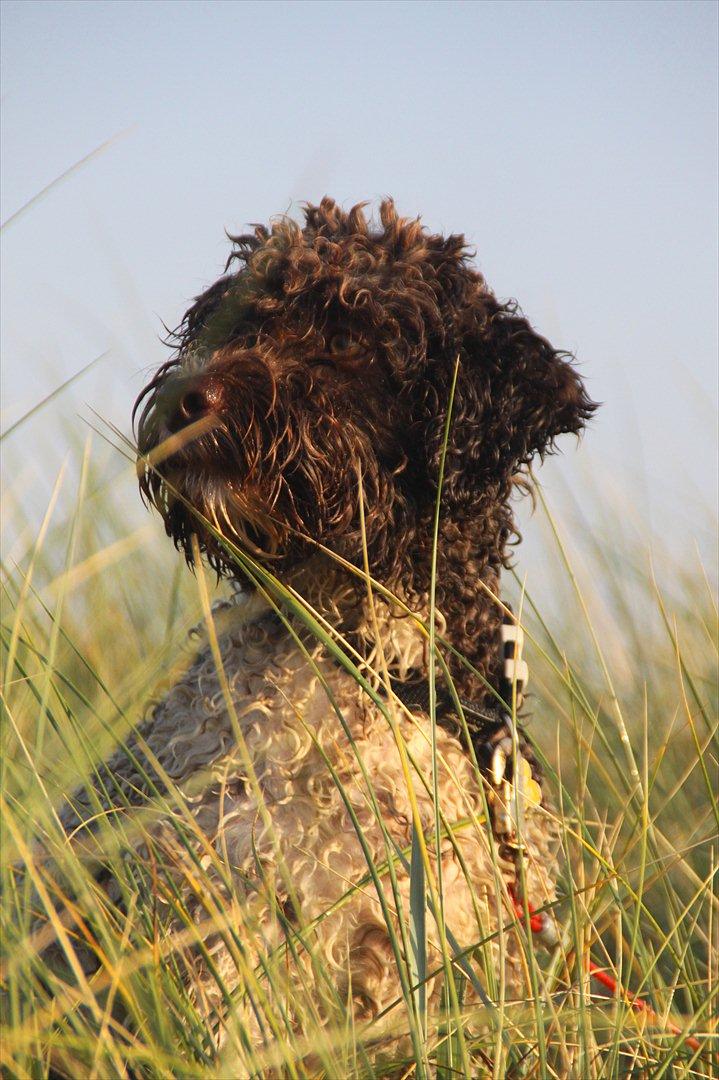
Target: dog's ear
515,395
530,392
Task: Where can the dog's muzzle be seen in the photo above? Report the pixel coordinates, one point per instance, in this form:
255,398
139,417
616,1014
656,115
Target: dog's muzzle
184,400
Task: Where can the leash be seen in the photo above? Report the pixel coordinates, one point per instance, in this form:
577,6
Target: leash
538,923
514,782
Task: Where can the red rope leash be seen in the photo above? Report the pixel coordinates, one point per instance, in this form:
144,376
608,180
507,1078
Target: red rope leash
538,923
504,801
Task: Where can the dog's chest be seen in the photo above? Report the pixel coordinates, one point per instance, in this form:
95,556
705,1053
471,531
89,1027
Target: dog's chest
280,755
296,780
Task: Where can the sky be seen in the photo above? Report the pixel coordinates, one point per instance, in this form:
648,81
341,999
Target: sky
574,143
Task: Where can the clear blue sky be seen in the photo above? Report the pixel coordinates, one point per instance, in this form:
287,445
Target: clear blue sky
573,142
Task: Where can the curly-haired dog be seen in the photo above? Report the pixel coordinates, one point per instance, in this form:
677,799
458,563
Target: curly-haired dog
302,419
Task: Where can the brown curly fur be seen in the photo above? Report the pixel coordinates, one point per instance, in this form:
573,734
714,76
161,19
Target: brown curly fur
326,354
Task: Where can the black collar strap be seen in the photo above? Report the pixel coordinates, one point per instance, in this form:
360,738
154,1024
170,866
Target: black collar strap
488,721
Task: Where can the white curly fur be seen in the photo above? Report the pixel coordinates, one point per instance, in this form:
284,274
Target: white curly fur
256,780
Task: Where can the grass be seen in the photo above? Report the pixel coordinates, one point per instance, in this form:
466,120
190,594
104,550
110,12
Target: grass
624,700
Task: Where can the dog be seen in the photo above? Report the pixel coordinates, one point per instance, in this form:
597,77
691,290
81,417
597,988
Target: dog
346,391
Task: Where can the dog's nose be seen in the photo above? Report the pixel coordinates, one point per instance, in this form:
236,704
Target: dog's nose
192,401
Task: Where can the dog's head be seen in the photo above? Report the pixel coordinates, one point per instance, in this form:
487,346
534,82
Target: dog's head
322,363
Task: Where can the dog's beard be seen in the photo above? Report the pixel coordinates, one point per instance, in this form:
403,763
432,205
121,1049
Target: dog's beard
273,483
222,515
271,523
205,484
243,518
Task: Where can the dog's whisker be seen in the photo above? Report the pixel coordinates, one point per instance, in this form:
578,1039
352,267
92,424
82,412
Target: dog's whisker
176,442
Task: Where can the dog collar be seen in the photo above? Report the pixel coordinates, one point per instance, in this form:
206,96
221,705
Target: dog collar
414,693
487,722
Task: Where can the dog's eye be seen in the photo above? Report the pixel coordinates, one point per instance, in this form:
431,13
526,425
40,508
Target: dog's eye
344,345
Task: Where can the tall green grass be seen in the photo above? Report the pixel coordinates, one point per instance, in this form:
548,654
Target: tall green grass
96,612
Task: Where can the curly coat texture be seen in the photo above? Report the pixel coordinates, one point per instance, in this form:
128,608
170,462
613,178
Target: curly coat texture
316,375
326,360
290,841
